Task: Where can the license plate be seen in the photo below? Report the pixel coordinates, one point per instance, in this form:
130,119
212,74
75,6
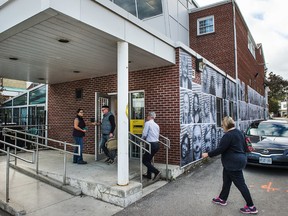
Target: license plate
265,160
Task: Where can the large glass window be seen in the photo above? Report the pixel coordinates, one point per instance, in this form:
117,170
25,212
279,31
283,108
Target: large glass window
128,5
21,100
149,8
205,25
141,8
251,46
38,96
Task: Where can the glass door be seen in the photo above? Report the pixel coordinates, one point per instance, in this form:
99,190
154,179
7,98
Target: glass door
100,100
137,118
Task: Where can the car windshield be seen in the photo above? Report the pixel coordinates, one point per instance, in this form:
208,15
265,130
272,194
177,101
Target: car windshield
269,129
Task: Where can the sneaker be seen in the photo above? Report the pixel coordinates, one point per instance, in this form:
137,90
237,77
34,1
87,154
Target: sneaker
107,160
111,162
157,176
249,210
219,201
81,162
146,176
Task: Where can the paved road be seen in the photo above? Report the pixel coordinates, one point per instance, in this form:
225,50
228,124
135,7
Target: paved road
192,193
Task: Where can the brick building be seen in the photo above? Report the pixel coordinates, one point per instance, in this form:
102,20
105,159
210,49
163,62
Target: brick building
125,62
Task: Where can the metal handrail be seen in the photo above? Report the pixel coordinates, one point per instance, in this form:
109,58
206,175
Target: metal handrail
8,161
64,150
166,144
141,141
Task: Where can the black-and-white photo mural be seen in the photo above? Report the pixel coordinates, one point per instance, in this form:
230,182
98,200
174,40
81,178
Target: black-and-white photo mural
186,145
212,109
196,103
206,108
219,85
205,80
185,106
204,104
197,141
212,82
185,70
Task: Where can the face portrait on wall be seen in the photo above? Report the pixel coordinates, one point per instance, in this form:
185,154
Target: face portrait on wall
186,109
206,111
204,80
196,142
185,70
207,138
186,151
212,109
212,89
213,137
196,108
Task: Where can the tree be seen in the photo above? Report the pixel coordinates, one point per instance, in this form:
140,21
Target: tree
278,91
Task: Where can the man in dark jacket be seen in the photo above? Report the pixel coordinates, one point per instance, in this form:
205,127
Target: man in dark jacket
107,126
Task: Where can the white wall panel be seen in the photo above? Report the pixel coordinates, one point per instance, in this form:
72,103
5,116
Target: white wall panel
15,12
71,8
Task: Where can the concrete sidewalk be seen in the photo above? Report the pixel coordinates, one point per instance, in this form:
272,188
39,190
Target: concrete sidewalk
95,179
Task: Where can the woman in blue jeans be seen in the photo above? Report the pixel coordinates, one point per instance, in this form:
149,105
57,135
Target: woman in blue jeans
79,131
233,157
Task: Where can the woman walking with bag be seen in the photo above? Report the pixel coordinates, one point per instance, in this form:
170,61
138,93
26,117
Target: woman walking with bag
233,157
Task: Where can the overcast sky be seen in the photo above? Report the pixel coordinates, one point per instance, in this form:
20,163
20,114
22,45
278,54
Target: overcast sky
267,21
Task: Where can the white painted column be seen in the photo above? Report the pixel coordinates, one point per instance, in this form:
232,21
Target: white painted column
122,120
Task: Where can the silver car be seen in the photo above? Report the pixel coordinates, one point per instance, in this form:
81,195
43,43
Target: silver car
270,141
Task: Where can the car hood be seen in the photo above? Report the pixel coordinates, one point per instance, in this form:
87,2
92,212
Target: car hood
271,142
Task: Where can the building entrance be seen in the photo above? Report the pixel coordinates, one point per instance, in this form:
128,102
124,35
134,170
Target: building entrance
136,115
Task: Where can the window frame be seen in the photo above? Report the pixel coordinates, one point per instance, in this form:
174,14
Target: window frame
205,19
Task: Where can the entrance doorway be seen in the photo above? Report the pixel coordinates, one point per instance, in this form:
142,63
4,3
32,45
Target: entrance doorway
136,118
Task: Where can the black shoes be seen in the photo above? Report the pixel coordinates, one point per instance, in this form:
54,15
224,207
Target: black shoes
146,176
157,176
81,162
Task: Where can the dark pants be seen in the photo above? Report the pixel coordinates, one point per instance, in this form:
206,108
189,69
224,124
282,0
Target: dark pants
238,179
79,142
147,158
109,154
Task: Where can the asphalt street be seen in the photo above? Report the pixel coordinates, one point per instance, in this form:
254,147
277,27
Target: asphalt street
191,194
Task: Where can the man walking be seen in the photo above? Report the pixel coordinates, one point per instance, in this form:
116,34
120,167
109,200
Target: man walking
108,127
151,134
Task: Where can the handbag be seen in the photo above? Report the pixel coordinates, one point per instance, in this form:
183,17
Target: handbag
248,145
111,144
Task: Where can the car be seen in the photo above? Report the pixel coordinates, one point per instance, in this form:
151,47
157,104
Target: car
270,141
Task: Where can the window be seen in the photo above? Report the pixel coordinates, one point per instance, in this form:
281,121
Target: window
141,8
219,106
251,46
205,25
79,93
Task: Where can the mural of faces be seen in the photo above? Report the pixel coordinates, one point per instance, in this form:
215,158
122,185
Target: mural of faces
186,150
207,138
206,109
186,106
185,70
204,80
196,142
212,109
219,85
196,108
213,137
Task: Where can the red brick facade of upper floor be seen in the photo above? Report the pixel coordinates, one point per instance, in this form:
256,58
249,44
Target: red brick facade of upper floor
218,47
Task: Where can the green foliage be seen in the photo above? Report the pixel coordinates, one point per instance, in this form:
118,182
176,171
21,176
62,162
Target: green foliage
278,91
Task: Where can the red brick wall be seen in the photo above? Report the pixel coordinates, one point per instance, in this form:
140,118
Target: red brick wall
161,86
218,47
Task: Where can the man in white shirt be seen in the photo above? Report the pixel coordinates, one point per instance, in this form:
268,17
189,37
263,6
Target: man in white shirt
151,134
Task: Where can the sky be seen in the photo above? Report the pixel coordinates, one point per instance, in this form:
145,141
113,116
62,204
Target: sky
267,21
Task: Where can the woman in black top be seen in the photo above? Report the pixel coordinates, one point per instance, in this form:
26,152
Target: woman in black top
79,131
233,157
